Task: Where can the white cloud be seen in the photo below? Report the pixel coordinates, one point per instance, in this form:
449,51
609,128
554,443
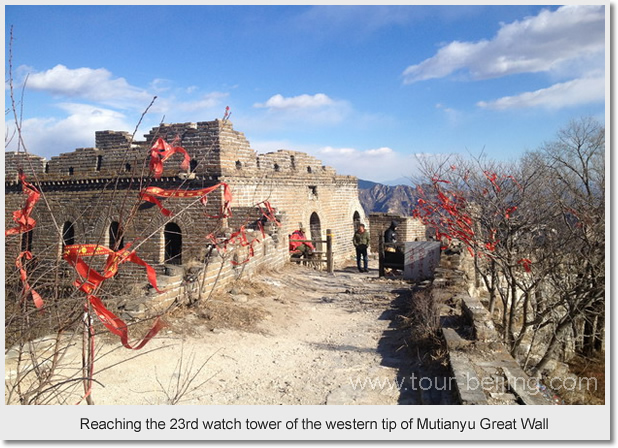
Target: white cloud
542,43
279,102
379,165
160,85
89,84
356,18
384,151
48,136
100,86
207,101
298,113
453,115
566,94
95,99
337,151
329,150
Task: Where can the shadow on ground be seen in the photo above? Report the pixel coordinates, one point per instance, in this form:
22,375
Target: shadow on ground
423,377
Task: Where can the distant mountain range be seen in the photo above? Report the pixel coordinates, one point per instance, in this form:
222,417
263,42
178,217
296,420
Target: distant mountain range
394,183
380,198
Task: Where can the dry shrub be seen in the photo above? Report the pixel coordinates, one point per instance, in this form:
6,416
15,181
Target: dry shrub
423,319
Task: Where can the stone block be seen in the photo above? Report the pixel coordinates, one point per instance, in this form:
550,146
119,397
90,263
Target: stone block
421,258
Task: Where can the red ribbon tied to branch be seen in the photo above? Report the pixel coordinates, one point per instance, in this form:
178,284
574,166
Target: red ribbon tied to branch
509,211
22,217
74,254
118,327
436,179
161,151
525,262
492,177
515,182
25,224
23,275
238,239
92,279
268,212
151,194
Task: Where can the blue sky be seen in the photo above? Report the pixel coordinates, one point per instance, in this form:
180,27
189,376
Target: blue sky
364,88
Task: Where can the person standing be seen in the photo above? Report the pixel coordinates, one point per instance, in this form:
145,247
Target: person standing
390,236
392,251
361,242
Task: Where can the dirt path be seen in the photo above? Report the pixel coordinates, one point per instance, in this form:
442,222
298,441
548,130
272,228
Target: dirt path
311,338
298,336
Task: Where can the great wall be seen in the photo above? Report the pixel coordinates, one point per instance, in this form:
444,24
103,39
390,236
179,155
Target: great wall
91,197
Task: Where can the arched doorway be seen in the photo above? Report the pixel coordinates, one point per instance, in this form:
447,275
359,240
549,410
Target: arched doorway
68,234
26,241
173,244
116,239
356,219
316,230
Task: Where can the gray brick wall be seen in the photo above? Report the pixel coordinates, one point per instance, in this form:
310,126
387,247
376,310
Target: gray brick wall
93,187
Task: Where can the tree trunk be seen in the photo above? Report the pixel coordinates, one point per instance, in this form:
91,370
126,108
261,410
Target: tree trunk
549,352
512,314
588,344
599,334
492,289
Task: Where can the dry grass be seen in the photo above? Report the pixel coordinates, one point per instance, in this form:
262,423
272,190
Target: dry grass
592,369
234,309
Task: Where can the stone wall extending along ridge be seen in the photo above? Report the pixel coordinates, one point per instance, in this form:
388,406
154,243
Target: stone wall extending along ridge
484,372
89,192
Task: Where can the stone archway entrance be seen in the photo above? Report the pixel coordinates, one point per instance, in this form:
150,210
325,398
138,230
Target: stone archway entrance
356,219
26,241
116,239
173,244
68,234
316,230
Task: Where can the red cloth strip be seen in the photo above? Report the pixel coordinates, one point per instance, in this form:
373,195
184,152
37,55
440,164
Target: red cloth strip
226,210
525,262
268,212
22,217
492,177
118,327
161,151
23,275
92,279
239,238
151,194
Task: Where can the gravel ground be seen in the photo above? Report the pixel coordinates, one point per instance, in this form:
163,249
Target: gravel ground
297,336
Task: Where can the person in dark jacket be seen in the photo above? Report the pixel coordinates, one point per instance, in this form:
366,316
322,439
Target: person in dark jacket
392,253
361,242
390,236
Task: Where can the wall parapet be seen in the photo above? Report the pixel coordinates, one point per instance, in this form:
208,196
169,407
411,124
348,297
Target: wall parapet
93,192
198,282
483,369
215,147
409,228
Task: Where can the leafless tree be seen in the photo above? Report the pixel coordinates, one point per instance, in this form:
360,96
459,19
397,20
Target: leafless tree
574,175
535,229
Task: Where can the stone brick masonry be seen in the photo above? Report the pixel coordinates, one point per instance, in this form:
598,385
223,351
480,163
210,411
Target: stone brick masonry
89,191
409,229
